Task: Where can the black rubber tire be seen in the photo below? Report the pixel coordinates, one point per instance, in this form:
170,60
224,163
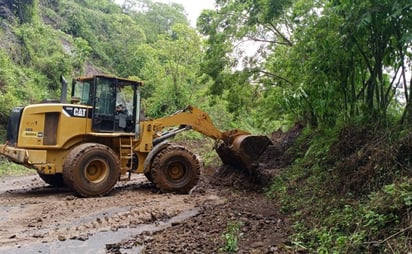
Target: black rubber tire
175,169
55,180
91,169
149,176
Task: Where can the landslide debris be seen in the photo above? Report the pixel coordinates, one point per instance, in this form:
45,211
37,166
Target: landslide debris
271,161
261,226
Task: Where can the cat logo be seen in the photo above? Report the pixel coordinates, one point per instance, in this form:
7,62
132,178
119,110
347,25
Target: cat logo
76,112
79,112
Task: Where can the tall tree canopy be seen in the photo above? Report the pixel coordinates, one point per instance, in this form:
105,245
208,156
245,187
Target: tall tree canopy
318,61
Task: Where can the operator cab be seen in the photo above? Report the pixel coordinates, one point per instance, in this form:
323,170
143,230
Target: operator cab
115,102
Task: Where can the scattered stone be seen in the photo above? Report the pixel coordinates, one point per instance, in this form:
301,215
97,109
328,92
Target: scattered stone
71,197
82,237
37,235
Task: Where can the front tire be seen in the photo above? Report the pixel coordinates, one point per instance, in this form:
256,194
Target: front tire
91,169
149,176
175,169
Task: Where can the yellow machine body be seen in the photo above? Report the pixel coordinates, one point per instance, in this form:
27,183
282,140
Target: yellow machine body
47,136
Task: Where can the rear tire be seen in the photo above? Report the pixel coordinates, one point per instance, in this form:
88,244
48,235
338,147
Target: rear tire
55,180
91,169
175,169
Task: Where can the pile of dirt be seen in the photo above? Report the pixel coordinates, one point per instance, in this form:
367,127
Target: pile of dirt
363,159
270,163
261,229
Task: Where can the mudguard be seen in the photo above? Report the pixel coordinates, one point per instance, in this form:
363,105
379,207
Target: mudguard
152,154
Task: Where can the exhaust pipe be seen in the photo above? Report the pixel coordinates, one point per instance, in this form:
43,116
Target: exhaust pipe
63,96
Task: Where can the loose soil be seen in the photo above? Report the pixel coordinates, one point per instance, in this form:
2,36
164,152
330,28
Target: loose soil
34,214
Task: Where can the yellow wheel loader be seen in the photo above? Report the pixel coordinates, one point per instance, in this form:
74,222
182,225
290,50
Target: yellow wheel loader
100,136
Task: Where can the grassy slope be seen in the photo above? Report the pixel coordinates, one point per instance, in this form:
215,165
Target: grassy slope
350,191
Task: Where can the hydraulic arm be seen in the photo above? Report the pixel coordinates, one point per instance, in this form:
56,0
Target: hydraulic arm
235,147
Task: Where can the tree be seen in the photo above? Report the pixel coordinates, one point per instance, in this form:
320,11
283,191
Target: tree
156,18
121,43
320,61
171,67
25,10
233,31
354,52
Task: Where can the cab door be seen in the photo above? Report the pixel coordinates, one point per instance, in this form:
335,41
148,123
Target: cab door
103,117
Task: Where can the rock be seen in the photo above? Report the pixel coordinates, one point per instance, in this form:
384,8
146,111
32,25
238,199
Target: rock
37,235
82,237
257,244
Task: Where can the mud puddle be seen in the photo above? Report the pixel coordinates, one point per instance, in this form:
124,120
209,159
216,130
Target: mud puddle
99,242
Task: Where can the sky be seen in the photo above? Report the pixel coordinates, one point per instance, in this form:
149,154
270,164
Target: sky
192,7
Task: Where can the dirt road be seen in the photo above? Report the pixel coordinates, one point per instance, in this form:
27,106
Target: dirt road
35,218
136,218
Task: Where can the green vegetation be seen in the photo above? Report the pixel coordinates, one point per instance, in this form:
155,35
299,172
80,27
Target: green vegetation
8,168
231,237
340,68
350,190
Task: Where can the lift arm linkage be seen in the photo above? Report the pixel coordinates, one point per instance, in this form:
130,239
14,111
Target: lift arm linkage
192,117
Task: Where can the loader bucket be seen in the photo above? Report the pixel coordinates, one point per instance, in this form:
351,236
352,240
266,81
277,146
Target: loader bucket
242,150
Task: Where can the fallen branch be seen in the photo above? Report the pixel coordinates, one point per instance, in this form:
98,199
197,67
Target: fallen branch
389,237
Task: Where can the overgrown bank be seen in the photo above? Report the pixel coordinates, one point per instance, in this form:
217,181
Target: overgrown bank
349,190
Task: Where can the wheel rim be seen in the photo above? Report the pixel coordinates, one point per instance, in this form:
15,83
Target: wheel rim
96,171
176,171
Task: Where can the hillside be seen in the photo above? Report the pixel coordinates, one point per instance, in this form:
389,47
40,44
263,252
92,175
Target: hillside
41,40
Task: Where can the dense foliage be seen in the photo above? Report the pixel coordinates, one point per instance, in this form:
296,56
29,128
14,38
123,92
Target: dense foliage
321,61
340,67
40,40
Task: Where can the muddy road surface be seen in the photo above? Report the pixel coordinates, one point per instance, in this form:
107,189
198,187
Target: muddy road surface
136,218
225,213
36,218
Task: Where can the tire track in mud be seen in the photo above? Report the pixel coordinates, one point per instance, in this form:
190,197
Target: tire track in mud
31,212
